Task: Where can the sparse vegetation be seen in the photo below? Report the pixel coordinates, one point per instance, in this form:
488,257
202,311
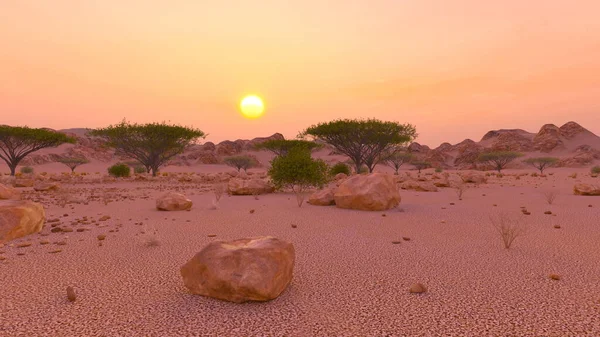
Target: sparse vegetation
152,144
299,172
73,162
421,165
397,159
139,169
549,196
508,228
499,159
460,189
595,171
26,170
218,190
339,168
119,170
17,142
363,141
542,163
240,162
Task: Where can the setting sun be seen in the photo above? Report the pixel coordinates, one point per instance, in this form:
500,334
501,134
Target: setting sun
252,106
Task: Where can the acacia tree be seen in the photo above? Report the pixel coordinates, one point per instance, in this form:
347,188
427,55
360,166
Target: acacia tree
281,147
363,141
421,165
397,159
499,159
542,163
240,162
17,142
73,163
298,171
152,144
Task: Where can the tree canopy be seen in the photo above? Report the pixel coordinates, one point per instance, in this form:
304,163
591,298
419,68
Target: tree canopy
499,159
240,162
280,147
363,141
73,162
397,158
153,144
542,163
17,142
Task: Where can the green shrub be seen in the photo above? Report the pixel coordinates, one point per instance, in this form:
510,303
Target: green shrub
119,170
139,169
596,170
26,170
439,170
299,171
339,168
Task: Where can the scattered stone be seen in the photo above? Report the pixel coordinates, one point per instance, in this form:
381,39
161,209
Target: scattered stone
250,269
554,277
212,235
71,296
417,288
396,242
294,226
67,230
251,211
60,243
55,251
557,226
24,244
405,238
548,212
44,242
56,230
2,258
101,237
104,218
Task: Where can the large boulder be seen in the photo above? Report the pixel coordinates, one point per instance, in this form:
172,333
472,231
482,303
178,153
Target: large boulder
250,269
46,186
372,192
20,218
238,186
421,186
9,193
173,202
324,197
586,189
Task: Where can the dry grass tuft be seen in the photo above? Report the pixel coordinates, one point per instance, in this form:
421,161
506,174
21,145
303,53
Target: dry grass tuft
460,189
218,190
508,228
550,196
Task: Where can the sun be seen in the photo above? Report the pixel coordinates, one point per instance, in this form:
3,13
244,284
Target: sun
252,106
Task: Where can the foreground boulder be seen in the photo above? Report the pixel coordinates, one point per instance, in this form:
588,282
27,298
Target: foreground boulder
7,193
20,218
324,197
173,202
250,269
586,189
373,192
249,187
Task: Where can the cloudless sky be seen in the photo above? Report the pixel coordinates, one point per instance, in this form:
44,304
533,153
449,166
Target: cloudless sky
453,68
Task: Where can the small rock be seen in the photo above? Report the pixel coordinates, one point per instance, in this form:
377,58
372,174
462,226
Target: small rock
79,230
557,226
104,218
405,238
24,244
417,288
60,243
548,212
212,235
55,251
554,277
71,296
56,230
67,230
101,237
294,226
44,242
396,242
452,203
2,258
251,211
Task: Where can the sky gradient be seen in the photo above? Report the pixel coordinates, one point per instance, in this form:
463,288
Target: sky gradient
455,69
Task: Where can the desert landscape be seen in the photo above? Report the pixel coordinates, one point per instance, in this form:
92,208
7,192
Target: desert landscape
433,265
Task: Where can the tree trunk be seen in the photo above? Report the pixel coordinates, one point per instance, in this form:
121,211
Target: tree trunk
154,171
13,169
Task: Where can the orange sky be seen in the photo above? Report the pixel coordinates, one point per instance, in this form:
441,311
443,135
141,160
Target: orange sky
455,69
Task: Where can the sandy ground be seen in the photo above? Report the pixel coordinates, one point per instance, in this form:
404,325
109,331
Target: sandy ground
349,280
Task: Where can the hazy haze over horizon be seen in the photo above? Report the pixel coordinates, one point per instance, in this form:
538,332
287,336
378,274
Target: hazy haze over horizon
455,71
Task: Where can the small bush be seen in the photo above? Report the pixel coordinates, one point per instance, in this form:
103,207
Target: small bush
26,170
595,170
139,169
364,169
240,162
550,196
508,228
339,168
119,170
439,170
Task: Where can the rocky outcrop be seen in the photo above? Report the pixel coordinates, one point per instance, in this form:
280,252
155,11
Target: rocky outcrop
250,269
509,140
582,156
586,189
20,218
9,193
237,186
46,186
548,139
372,192
571,130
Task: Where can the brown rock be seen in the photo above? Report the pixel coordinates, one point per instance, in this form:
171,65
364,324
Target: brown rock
586,189
417,288
71,296
24,182
20,218
101,237
173,202
421,186
371,192
46,186
9,193
250,269
249,187
324,197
